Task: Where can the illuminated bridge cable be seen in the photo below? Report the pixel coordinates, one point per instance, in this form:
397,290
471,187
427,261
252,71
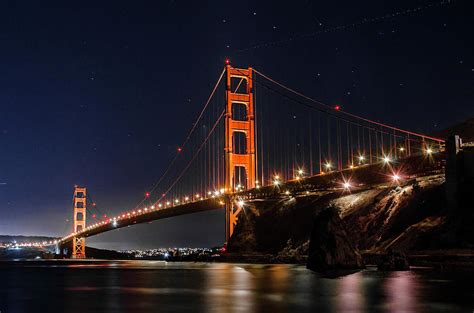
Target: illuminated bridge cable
183,145
194,157
329,109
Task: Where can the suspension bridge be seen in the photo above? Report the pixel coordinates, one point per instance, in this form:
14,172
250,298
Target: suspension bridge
256,139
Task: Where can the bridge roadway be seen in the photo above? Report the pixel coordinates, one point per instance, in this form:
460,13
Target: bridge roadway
360,177
145,217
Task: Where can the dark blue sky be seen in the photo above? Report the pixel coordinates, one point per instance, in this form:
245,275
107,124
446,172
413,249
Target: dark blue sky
102,95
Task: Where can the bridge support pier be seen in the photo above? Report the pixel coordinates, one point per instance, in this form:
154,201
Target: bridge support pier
79,244
231,217
239,92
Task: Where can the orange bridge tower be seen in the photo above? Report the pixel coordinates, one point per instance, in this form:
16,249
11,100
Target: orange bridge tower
240,153
79,243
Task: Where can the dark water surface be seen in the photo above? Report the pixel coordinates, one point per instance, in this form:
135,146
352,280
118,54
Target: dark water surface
148,286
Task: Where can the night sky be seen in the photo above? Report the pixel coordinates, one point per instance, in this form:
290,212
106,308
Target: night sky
101,95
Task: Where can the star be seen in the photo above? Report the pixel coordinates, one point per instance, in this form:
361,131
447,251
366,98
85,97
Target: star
224,20
274,27
254,13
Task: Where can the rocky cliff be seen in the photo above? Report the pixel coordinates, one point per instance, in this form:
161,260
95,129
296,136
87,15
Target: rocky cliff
408,218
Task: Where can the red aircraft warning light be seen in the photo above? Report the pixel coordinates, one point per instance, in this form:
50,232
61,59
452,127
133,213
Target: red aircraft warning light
227,61
337,107
147,194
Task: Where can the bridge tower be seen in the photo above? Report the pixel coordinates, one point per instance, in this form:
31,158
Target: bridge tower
79,244
239,93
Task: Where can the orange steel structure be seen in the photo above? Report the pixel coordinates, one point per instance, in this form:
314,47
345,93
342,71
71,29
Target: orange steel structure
79,244
233,160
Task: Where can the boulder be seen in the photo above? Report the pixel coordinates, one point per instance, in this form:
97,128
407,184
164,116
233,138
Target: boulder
330,247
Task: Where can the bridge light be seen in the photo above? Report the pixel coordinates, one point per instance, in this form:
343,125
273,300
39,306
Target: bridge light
186,198
209,193
114,223
222,190
160,205
361,158
395,177
176,201
140,211
328,165
351,166
197,196
168,203
297,177
347,185
276,182
276,177
287,192
241,203
300,172
401,149
386,159
429,151
221,202
152,207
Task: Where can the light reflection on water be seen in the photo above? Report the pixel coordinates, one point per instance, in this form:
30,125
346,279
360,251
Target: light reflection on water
148,286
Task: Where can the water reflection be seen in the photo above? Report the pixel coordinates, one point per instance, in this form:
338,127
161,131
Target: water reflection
350,294
200,287
401,289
